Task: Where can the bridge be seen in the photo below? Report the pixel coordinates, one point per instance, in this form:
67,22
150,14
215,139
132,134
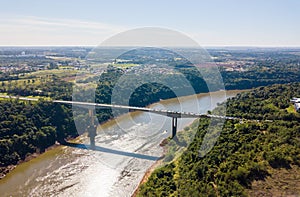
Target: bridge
90,106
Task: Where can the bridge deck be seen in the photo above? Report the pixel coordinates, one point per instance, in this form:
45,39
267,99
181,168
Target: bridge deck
91,106
174,114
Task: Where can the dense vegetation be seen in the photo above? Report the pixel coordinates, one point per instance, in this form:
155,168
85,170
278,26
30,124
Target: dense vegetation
27,128
262,73
145,94
48,86
245,151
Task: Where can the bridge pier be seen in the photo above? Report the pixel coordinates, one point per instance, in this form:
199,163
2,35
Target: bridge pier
174,127
92,134
92,129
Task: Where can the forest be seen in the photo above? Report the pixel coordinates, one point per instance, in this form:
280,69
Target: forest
31,127
26,128
145,94
245,151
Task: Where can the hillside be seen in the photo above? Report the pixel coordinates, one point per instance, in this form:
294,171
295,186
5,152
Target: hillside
27,128
249,158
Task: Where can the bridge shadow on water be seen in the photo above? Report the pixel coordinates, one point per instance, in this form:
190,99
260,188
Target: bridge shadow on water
112,151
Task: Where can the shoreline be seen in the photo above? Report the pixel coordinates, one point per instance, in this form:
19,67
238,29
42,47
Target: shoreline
153,167
159,162
147,175
5,170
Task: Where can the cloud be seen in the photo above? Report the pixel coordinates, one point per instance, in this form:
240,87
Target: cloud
31,30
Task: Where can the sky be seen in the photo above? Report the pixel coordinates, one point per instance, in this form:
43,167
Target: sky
270,23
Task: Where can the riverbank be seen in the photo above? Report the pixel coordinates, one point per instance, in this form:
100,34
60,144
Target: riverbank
147,175
5,170
154,166
160,162
51,167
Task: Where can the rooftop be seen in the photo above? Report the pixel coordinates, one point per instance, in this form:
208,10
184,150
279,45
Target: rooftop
295,100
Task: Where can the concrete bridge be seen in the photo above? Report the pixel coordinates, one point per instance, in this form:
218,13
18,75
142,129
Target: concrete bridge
90,106
173,114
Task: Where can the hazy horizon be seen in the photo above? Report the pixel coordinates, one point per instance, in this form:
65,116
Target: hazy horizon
208,46
210,23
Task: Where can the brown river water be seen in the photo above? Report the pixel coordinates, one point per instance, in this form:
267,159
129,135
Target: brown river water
125,148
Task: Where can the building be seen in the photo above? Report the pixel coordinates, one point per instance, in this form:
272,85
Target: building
296,102
297,107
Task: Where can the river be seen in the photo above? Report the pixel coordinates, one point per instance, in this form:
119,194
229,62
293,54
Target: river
119,161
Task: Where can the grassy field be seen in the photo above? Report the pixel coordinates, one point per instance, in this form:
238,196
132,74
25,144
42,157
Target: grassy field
24,82
40,77
56,72
34,97
291,109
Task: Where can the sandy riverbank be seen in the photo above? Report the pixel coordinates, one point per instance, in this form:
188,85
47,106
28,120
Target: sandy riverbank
147,175
6,169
